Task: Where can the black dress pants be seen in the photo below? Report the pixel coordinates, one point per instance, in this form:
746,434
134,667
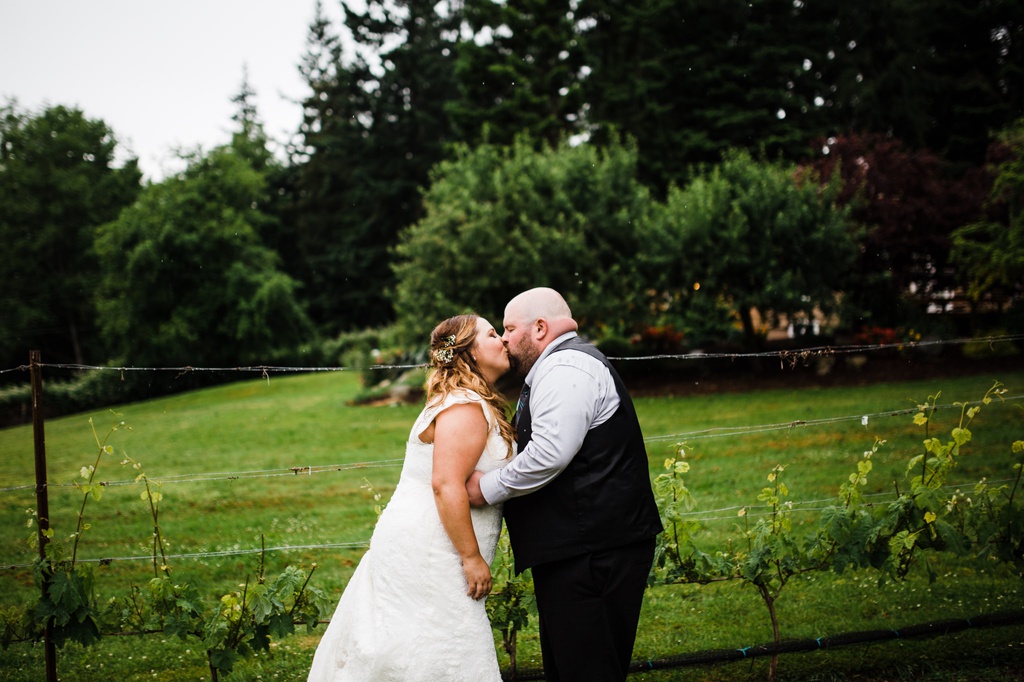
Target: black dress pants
589,607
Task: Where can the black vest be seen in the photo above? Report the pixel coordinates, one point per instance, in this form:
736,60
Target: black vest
602,500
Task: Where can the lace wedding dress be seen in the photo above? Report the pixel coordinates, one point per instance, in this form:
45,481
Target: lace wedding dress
405,614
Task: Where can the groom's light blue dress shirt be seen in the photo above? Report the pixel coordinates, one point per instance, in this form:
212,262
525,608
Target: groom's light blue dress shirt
570,393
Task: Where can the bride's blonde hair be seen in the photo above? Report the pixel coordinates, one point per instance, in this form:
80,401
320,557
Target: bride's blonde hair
454,369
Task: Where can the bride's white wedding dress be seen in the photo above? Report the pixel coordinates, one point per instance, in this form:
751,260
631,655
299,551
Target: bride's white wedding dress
405,614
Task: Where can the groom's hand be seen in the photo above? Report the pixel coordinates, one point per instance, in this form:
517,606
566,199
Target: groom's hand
476,498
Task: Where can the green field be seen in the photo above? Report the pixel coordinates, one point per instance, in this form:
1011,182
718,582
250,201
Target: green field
225,457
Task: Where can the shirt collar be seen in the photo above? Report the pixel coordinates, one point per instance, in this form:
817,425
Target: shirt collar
547,351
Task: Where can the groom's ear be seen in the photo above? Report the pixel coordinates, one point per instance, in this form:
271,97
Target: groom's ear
540,329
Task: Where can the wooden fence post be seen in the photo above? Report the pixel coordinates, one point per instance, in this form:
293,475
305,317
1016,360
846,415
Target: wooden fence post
42,501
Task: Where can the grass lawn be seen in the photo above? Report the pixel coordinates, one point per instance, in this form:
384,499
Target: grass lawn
225,459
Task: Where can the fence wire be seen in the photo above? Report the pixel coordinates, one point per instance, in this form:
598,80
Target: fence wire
701,516
681,437
790,357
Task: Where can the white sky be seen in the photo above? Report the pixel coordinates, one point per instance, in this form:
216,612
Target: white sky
161,74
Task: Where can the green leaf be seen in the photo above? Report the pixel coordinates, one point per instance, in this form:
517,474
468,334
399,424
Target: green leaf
961,436
178,624
65,591
281,625
261,637
223,659
260,605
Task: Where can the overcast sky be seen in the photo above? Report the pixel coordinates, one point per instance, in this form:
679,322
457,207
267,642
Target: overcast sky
160,74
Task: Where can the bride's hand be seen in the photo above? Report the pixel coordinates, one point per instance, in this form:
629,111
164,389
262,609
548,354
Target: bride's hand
478,576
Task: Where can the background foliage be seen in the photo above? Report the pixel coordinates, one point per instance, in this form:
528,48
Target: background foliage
186,275
503,219
58,182
911,104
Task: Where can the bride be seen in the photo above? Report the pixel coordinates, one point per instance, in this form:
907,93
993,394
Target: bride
414,608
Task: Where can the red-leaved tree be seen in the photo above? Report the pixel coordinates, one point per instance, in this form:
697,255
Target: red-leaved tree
908,204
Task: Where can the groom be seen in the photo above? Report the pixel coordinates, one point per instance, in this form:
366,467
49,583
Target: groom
578,502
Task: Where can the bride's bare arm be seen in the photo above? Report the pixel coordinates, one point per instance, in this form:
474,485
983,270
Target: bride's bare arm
460,435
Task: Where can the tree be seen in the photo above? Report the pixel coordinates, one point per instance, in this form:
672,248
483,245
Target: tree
990,252
937,74
978,68
274,220
908,203
692,79
186,279
59,180
374,126
500,220
518,68
754,235
250,139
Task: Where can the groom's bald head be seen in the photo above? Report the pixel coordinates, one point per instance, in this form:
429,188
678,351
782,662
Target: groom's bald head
542,303
534,319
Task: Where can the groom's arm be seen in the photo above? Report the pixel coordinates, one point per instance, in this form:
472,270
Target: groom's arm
476,496
563,407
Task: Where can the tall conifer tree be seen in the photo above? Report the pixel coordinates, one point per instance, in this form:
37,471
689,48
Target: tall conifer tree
374,126
690,79
519,71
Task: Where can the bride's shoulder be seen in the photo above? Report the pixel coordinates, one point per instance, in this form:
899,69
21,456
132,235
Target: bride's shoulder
460,396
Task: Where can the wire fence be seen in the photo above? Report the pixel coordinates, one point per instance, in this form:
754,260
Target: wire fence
712,515
680,437
786,358
702,516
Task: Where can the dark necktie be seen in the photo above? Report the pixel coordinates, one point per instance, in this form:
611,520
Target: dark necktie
524,397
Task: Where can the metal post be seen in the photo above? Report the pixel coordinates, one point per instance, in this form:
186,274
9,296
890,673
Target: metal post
42,501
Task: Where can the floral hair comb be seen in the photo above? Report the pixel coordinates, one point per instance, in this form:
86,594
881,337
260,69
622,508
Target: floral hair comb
445,354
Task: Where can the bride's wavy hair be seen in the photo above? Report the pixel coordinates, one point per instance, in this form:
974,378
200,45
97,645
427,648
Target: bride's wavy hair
454,369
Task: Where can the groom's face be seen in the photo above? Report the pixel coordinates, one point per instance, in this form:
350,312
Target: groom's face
522,347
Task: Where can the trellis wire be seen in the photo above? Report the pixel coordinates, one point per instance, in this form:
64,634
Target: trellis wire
716,432
791,356
699,516
233,476
722,431
103,561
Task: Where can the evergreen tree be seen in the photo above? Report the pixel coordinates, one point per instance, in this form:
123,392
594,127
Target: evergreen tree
936,74
374,126
978,67
250,139
519,71
691,79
